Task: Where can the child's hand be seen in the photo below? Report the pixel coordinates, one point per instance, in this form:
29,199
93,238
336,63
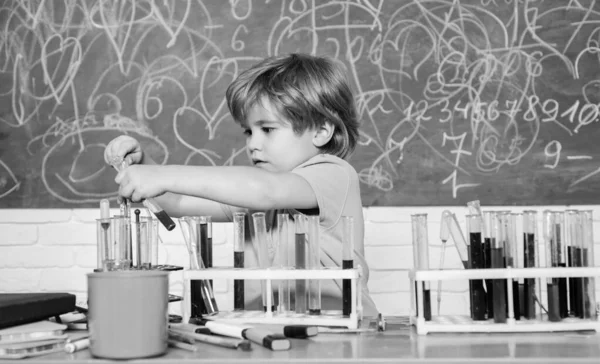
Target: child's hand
139,182
124,147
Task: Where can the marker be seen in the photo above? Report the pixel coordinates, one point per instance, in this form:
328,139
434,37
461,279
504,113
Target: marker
331,330
190,328
72,347
291,331
260,336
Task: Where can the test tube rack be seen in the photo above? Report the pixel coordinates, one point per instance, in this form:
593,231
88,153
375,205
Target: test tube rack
326,318
464,324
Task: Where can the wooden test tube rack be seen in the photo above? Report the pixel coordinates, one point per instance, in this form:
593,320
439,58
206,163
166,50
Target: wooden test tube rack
457,323
326,318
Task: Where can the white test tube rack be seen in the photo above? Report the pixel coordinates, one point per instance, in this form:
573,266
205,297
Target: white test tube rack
460,323
326,318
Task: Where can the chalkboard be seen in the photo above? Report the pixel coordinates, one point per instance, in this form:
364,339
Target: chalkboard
496,100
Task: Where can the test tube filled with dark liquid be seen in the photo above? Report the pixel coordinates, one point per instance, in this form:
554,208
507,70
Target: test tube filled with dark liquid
205,230
314,262
497,257
489,218
552,222
421,259
530,260
201,294
283,226
587,260
238,258
347,262
300,247
476,260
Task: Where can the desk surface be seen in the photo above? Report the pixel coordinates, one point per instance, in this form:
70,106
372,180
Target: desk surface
399,344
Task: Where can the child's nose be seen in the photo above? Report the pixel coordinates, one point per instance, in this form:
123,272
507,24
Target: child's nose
254,142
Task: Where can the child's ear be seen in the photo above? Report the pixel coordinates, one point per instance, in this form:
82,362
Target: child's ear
323,134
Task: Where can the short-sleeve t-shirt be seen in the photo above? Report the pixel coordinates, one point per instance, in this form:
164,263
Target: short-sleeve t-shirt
336,186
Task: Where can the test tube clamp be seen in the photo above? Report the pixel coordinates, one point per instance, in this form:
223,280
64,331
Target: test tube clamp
326,318
464,324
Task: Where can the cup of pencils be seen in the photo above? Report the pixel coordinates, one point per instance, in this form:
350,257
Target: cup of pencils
127,315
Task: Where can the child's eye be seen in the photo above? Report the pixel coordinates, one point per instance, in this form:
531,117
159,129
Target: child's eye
247,132
267,130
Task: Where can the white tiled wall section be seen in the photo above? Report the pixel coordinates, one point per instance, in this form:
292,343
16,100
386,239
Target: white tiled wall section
52,250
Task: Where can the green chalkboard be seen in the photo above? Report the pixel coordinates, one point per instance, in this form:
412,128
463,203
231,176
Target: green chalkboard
496,100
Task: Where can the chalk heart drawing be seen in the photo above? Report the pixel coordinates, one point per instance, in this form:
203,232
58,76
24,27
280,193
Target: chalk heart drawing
192,128
8,181
159,16
74,170
69,54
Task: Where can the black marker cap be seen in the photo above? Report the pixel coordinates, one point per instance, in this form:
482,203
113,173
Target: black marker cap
300,331
267,339
276,342
197,321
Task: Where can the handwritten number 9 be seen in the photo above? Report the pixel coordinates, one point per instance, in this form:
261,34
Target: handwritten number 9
552,150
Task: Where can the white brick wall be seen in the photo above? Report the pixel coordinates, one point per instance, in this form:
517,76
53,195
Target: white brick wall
53,249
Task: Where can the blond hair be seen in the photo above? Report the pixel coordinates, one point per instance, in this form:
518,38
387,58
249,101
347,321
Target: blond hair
306,90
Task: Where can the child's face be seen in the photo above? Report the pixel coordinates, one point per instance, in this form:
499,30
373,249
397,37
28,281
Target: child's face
272,143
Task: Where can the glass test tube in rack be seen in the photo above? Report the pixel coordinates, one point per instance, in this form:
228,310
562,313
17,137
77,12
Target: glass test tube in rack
464,323
268,277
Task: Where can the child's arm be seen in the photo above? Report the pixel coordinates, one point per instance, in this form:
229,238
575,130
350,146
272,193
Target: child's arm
247,187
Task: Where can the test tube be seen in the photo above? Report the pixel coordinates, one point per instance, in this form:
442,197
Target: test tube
238,258
421,258
587,255
561,251
104,253
512,260
498,287
204,242
261,244
347,262
530,258
489,239
105,249
300,247
283,221
121,226
551,225
202,296
119,164
478,308
151,259
314,262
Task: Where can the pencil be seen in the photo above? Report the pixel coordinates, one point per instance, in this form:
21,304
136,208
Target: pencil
260,336
181,345
225,342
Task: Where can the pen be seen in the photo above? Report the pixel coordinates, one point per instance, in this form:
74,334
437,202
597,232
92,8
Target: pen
257,335
182,345
72,347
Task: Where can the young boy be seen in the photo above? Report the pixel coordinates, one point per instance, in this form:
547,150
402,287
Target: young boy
299,118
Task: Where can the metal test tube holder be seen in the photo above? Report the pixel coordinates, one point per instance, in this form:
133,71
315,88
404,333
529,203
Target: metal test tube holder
272,274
